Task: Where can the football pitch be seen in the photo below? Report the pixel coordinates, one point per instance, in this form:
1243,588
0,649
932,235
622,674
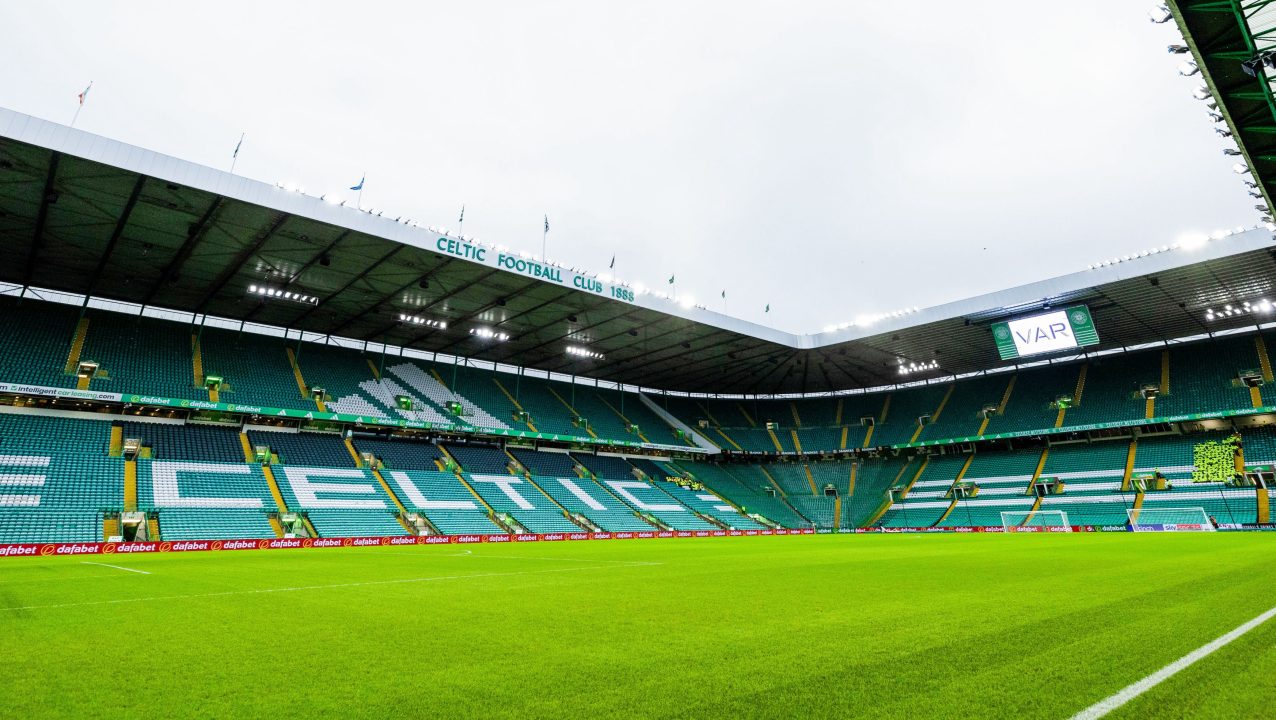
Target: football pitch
826,626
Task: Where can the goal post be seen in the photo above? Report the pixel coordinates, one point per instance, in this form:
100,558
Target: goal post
1178,519
1035,521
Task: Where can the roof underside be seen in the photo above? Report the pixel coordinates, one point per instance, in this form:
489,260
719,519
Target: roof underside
94,228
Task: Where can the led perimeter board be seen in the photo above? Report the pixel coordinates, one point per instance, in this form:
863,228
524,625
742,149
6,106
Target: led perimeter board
1048,332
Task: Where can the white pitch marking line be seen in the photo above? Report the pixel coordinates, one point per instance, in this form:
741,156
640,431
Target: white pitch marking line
1128,693
264,591
117,567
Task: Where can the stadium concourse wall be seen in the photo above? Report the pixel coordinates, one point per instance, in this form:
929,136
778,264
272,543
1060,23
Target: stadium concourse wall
144,548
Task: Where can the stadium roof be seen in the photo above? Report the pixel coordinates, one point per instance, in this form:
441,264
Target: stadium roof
1229,42
85,214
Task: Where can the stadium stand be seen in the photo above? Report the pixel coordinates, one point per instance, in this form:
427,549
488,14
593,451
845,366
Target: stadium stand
345,376
1204,376
1032,402
400,454
480,458
61,480
1112,384
141,355
196,443
589,499
905,407
205,499
340,502
310,449
523,502
545,463
254,368
749,494
962,415
444,500
36,342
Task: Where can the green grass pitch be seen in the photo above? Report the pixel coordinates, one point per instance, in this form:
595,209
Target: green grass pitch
922,626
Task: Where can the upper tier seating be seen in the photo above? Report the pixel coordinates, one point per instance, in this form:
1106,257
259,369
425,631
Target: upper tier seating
1112,384
1203,376
254,368
1032,402
343,373
142,355
35,341
962,414
905,407
427,385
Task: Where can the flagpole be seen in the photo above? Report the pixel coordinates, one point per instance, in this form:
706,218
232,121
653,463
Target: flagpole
234,158
544,238
359,201
78,108
460,224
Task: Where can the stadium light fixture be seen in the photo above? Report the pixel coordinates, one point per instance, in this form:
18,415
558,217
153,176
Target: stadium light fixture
915,367
1160,14
288,295
1201,92
424,322
1177,49
1188,68
489,334
579,351
1240,168
1231,152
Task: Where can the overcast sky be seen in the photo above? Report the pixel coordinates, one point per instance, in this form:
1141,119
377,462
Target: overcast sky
829,158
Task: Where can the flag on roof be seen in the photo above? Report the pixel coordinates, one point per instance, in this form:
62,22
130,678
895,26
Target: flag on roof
612,266
359,186
546,223
462,219
768,307
241,142
85,94
671,279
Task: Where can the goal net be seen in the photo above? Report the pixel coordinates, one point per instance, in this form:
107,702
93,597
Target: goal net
1183,519
1035,521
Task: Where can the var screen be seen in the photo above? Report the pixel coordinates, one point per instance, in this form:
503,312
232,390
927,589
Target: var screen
1048,332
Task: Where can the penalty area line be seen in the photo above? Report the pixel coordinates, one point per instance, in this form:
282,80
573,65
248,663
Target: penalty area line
117,567
1128,693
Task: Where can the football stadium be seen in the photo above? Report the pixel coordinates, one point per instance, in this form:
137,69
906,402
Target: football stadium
263,454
